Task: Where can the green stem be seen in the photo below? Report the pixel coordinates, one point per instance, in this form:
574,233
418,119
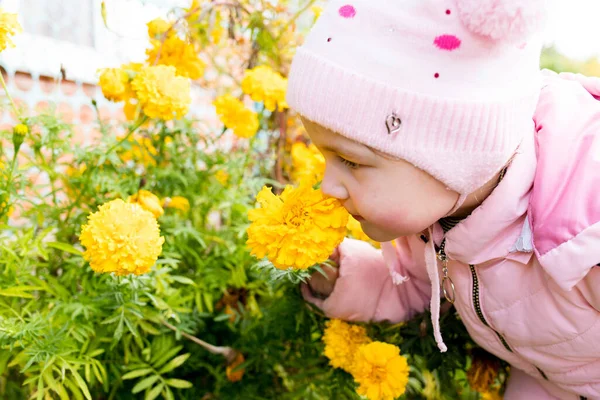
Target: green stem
14,106
293,19
10,173
225,351
140,122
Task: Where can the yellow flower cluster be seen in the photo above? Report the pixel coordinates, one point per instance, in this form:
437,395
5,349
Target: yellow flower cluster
157,90
264,84
9,26
161,93
308,164
298,229
235,116
148,201
378,368
342,341
160,88
175,52
139,149
122,238
356,232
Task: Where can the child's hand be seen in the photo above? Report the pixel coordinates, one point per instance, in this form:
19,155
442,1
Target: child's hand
321,286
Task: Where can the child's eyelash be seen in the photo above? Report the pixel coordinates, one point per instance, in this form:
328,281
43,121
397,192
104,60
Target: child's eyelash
348,163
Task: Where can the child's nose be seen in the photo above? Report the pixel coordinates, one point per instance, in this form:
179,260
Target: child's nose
332,186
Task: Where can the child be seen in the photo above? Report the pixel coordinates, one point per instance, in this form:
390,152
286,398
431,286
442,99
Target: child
441,134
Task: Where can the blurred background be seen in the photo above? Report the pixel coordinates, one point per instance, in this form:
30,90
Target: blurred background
65,42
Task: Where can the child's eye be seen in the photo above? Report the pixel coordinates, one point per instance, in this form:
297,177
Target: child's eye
348,163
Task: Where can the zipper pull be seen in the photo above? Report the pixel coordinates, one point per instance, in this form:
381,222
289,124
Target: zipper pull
441,255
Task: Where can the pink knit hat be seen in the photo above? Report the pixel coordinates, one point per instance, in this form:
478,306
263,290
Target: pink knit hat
448,85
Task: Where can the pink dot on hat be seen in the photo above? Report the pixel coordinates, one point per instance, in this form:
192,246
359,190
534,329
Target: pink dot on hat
447,42
347,11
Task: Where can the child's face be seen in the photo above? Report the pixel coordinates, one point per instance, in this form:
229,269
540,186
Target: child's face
390,198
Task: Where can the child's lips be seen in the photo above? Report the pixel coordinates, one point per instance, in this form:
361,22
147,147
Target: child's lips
357,217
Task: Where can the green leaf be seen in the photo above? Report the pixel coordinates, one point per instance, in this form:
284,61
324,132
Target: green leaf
19,291
97,372
137,373
168,394
74,390
96,352
65,247
40,389
148,328
179,383
174,363
81,384
183,279
145,383
160,358
222,317
151,395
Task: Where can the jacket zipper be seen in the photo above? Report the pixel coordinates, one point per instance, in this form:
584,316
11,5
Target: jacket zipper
477,303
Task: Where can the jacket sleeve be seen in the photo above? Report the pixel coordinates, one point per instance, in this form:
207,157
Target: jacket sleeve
377,285
564,209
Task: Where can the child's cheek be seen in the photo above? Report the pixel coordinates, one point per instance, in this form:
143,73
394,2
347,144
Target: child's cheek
398,216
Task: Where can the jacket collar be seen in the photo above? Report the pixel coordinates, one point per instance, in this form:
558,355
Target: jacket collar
493,228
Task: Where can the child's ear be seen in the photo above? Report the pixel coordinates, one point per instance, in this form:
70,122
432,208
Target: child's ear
503,20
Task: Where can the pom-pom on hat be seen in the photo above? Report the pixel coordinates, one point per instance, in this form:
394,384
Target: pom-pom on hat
448,85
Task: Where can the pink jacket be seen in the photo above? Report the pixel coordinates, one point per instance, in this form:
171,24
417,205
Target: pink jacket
522,263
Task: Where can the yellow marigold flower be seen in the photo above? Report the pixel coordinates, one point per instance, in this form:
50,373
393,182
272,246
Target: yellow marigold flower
297,229
132,67
177,202
157,28
19,132
308,164
317,10
342,341
176,52
20,129
264,84
222,177
381,371
216,34
122,238
9,26
161,93
194,10
236,116
148,201
483,371
356,231
237,375
114,83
